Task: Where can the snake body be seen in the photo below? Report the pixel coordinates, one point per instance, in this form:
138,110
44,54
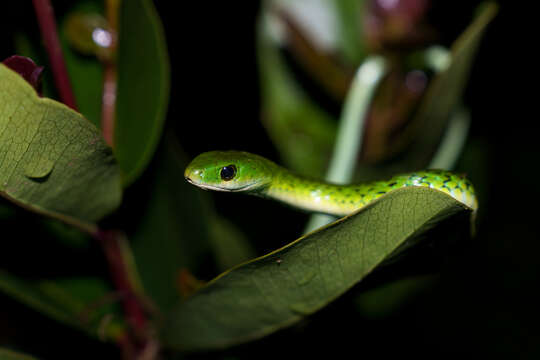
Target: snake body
236,171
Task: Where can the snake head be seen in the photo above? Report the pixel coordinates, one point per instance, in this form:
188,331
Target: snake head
231,171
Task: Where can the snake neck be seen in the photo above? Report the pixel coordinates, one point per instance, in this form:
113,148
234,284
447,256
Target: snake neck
313,195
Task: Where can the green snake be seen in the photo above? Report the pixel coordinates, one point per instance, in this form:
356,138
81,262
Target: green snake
236,171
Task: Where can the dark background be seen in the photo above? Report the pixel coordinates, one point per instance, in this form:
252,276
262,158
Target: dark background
485,302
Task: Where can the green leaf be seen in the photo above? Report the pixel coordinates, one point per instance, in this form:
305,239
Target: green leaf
76,302
6,354
143,86
52,160
277,290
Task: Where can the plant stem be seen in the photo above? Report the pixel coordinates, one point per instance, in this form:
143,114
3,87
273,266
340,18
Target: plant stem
115,246
351,128
453,140
108,105
113,242
351,125
47,24
126,282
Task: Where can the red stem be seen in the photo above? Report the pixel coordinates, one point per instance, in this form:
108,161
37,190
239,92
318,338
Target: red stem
108,107
111,241
47,25
111,244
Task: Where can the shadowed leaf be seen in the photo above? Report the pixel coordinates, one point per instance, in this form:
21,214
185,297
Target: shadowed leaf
277,290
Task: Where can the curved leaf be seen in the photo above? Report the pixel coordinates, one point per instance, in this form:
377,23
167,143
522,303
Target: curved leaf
276,290
52,160
143,86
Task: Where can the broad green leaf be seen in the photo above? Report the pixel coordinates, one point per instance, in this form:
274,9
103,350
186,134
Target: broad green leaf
277,290
6,354
143,86
52,160
76,302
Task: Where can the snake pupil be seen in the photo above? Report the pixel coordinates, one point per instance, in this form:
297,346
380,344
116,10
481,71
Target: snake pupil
228,172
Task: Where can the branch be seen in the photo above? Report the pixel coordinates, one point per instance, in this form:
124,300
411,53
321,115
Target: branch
124,276
47,25
108,104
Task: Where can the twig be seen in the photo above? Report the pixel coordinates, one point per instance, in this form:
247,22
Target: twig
108,105
111,242
125,280
47,25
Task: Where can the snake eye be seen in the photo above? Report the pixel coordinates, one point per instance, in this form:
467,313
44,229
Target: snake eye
228,172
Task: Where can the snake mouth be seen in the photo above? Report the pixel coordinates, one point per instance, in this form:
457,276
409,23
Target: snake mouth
219,188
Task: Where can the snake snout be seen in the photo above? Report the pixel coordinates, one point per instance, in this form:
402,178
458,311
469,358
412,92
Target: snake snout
193,176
